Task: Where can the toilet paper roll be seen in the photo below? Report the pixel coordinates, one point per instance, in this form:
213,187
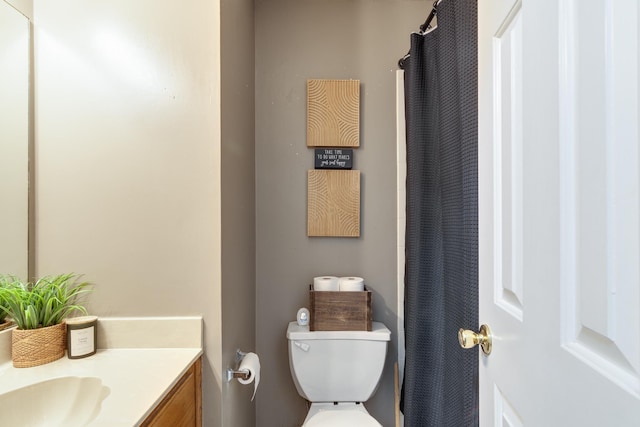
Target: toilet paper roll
326,283
251,363
351,284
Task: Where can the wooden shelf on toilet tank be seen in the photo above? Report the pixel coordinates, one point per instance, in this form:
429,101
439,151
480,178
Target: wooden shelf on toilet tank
340,311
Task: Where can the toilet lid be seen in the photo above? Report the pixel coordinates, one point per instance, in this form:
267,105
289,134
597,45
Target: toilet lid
342,419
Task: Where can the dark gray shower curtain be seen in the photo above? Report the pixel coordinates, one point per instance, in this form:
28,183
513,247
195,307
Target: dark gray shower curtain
440,385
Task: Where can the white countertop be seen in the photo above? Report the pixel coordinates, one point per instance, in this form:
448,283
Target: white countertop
138,378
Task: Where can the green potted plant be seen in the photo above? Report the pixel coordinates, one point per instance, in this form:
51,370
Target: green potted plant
38,309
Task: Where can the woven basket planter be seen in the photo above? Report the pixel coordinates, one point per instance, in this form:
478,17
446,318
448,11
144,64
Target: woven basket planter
33,347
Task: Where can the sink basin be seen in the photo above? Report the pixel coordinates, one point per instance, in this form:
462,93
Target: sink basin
65,401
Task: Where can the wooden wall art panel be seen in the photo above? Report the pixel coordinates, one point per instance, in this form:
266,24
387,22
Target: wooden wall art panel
333,203
333,113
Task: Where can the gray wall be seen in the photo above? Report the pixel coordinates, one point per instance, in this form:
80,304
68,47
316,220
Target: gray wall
337,39
238,200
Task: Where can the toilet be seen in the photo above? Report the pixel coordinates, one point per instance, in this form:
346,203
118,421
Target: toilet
337,371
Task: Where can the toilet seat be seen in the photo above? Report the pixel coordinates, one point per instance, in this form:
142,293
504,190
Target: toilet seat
343,415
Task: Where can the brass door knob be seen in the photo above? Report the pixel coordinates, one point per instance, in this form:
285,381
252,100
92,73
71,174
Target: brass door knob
469,339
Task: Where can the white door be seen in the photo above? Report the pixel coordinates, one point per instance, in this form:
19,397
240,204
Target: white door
559,212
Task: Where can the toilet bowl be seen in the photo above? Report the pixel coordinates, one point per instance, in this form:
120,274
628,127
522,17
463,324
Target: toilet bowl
337,371
340,415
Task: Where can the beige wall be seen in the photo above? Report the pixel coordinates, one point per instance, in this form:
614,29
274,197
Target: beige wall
297,40
128,176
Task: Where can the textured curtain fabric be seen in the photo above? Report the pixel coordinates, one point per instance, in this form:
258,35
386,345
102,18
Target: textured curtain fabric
440,385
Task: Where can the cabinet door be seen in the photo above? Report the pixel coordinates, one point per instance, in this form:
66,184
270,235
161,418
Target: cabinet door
182,407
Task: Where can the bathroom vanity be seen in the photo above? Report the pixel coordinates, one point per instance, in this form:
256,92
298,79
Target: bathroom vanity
146,372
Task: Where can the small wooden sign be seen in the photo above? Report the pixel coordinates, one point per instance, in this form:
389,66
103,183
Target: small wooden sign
331,158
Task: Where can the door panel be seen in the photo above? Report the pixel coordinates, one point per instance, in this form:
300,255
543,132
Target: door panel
504,412
507,148
599,181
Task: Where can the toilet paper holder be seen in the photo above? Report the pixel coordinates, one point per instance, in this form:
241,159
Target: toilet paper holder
234,373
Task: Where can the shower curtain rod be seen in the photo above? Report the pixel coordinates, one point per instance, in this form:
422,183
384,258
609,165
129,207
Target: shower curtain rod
434,11
423,28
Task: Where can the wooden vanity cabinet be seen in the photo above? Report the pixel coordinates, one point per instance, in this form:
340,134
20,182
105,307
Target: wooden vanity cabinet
182,406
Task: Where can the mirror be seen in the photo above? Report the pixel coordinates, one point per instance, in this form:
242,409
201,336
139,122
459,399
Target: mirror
14,141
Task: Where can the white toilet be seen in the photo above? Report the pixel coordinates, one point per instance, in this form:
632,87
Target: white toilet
337,371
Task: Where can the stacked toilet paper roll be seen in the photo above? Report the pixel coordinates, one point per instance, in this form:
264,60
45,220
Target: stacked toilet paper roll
326,283
333,283
351,284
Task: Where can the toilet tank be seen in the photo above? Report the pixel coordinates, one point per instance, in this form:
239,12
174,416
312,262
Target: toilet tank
337,366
